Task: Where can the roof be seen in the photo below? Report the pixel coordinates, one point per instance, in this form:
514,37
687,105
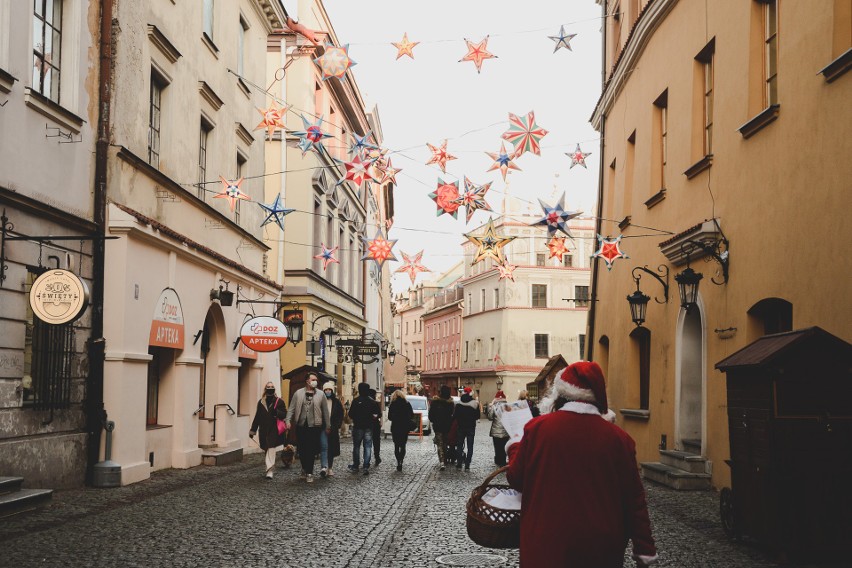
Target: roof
554,364
770,348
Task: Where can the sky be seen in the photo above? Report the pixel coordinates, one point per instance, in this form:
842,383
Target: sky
434,97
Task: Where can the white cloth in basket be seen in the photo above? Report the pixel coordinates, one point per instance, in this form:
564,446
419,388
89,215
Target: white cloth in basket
508,499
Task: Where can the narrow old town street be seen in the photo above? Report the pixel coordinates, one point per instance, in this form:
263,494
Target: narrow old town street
232,516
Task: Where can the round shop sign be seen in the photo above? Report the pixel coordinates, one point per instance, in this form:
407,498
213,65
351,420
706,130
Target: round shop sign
58,296
264,334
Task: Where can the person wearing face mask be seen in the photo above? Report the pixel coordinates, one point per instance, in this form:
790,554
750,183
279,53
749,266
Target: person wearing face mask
309,414
270,409
330,440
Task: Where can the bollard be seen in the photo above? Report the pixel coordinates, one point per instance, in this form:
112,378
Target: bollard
107,473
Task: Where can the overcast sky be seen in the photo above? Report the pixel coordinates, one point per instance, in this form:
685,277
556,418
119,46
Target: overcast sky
434,97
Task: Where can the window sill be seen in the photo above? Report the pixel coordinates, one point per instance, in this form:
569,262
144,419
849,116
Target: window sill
53,111
157,426
656,198
756,124
624,223
6,81
210,45
699,166
837,67
635,413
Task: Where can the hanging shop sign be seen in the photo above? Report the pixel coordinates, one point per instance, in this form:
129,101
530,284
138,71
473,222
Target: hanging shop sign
364,350
167,328
58,296
264,334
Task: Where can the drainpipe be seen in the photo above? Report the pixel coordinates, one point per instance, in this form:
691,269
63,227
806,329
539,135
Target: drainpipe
94,404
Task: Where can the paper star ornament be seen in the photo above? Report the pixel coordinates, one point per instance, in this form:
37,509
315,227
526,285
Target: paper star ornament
609,250
562,40
273,118
507,271
578,157
557,247
334,62
231,191
360,145
524,134
379,249
327,256
477,52
556,218
405,47
446,197
312,136
411,265
275,212
356,171
489,244
440,156
473,198
387,171
502,161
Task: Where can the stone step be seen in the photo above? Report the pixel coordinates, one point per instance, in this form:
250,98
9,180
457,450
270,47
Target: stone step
222,456
691,445
23,500
10,484
674,477
684,460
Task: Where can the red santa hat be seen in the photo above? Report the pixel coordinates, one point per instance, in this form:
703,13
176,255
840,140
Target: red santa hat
467,390
499,394
583,381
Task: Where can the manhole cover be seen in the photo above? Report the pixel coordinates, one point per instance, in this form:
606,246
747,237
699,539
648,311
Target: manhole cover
471,560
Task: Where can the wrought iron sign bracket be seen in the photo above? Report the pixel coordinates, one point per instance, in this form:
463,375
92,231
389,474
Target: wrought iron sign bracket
718,251
661,272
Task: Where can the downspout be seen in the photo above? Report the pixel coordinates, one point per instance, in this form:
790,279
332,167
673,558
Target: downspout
94,404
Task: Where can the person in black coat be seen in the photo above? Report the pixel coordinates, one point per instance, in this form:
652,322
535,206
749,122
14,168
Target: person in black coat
330,443
364,414
441,419
465,414
400,414
270,409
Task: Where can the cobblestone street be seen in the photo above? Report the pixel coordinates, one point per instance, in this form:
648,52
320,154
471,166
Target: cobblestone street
232,516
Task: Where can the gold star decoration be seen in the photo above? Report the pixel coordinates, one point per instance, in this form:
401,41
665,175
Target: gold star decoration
405,47
490,244
557,247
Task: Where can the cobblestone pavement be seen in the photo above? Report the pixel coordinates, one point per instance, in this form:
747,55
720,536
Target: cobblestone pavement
232,516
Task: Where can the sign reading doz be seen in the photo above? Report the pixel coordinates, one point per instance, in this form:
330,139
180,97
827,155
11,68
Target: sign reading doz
264,334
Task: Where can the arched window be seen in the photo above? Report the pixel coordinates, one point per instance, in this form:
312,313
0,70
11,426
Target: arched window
642,343
772,315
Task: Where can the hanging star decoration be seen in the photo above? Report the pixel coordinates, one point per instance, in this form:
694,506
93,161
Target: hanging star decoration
557,247
473,198
502,161
311,136
477,52
334,62
275,212
556,218
446,197
379,249
327,256
562,40
609,250
440,156
231,191
506,270
356,171
524,134
490,244
387,171
273,118
360,145
411,265
405,47
578,157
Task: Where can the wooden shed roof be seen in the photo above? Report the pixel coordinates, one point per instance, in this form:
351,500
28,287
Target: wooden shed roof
769,348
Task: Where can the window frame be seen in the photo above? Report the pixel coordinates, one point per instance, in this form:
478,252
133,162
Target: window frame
770,53
203,145
155,118
538,338
533,289
54,63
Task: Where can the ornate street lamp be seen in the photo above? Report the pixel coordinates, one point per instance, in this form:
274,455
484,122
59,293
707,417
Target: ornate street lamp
639,301
392,355
294,321
638,305
687,284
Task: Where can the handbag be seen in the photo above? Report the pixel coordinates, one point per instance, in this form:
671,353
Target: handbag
282,424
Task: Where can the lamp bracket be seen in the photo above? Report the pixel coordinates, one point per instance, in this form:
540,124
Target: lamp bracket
717,250
661,272
279,304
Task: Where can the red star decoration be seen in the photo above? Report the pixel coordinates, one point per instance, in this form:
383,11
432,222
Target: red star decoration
273,118
609,250
412,265
446,197
356,171
379,249
231,191
477,52
440,156
557,247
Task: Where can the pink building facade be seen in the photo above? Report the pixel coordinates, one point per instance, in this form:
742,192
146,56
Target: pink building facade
442,333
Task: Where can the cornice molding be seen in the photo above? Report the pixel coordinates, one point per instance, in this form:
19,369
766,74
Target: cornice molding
161,42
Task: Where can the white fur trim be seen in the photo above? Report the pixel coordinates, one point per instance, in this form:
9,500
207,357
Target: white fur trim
647,559
572,392
609,416
580,407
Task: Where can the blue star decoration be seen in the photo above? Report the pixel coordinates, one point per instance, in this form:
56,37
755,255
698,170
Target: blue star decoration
311,136
556,218
275,212
562,40
360,145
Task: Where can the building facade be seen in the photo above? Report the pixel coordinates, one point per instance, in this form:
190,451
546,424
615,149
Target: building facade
712,160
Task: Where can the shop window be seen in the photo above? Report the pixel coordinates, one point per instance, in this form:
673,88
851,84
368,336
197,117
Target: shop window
542,350
642,342
155,372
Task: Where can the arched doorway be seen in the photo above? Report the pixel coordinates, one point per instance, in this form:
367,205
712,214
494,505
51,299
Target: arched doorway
690,382
210,353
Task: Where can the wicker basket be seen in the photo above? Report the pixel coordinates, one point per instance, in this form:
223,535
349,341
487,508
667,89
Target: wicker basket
488,526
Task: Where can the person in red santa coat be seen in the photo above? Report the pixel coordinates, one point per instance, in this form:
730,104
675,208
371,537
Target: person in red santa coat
582,495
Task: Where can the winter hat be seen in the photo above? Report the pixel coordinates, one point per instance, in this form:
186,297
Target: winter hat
363,389
445,392
467,390
583,381
500,395
329,386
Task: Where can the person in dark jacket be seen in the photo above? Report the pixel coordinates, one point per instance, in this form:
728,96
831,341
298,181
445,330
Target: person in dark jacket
377,433
364,414
400,414
466,414
270,409
330,442
441,418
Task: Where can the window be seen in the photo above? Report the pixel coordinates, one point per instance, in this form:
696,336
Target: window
155,106
642,342
582,342
660,150
541,346
208,19
155,366
539,295
469,302
47,47
241,162
477,349
204,135
492,352
629,162
581,297
540,259
567,260
706,59
482,300
496,297
615,32
406,328
241,45
245,398
772,315
317,229
770,52
466,350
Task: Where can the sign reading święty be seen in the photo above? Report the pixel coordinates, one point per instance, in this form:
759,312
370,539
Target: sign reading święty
264,334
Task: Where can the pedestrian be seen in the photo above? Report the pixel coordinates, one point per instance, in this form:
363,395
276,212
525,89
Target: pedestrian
466,413
579,473
270,409
364,414
330,439
377,433
400,414
524,395
498,433
441,419
309,414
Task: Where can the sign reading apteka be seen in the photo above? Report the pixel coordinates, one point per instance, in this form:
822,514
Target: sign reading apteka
264,334
58,296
